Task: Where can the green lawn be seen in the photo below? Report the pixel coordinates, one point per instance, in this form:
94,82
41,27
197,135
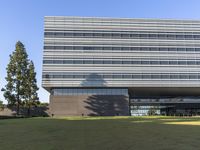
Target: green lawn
100,133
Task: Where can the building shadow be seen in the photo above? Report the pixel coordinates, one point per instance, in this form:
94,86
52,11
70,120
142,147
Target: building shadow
103,100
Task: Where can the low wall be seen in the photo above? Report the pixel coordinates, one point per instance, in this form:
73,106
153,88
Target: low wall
35,111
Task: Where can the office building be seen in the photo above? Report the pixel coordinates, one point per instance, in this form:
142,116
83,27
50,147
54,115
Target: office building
121,66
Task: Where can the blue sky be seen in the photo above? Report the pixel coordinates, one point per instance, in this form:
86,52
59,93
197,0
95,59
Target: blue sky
23,20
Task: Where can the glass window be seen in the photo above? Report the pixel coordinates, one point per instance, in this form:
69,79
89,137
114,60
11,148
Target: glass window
193,76
181,49
146,76
188,36
125,48
68,34
196,37
154,62
58,61
144,48
191,62
126,62
47,61
164,62
116,62
125,36
155,76
171,36
135,48
59,34
116,48
137,76
165,76
134,35
68,61
153,36
162,36
173,62
154,49
145,62
87,61
128,76
87,34
173,76
182,76
163,49
107,76
77,62
117,76
198,62
107,62
78,76
144,36
68,76
136,62
98,61
180,37
182,62
172,49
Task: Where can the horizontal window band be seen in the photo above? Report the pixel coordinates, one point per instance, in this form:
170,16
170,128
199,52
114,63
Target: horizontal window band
119,48
121,36
121,62
121,31
124,76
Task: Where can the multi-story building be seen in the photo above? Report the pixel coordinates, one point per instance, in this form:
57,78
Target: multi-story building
121,66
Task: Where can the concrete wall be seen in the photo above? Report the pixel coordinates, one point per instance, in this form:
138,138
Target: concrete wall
89,105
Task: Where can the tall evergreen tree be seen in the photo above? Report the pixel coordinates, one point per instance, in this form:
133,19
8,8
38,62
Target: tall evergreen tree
31,90
14,91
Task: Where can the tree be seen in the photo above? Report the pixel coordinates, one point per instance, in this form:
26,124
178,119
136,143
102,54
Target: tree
31,91
15,89
1,105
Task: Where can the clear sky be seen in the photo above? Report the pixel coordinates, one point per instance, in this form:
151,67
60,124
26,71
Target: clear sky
23,20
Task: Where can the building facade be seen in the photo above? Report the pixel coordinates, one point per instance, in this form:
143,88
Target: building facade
121,66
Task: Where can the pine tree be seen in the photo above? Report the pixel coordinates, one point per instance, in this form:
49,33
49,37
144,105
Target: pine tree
31,90
15,88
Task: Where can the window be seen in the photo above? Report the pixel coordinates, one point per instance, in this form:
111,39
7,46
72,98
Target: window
181,49
117,76
165,76
77,62
193,76
173,62
98,61
146,76
154,62
145,62
164,62
126,62
179,37
190,49
67,62
107,62
128,76
182,76
173,76
154,76
191,62
182,62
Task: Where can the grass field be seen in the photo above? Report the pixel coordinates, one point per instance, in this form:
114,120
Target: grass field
100,133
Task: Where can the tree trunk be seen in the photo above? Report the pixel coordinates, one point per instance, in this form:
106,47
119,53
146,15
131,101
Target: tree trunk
29,110
17,104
